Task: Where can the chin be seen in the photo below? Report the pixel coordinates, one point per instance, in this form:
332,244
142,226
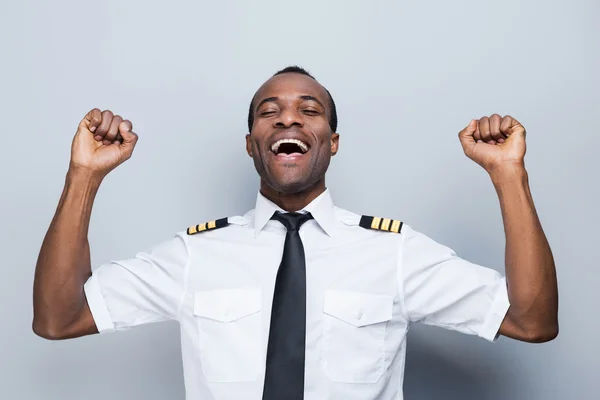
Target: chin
288,186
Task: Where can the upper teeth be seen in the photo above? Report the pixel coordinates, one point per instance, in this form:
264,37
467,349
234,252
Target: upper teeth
302,145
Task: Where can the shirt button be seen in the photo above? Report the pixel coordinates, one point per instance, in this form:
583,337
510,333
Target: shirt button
359,315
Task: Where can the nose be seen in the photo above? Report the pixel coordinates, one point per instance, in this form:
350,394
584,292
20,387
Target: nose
288,118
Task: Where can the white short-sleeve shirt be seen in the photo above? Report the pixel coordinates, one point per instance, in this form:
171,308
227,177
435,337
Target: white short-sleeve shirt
365,287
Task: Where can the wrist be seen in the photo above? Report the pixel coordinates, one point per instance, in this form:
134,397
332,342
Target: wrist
83,177
508,172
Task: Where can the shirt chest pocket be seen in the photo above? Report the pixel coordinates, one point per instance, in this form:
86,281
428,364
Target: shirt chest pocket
229,329
354,331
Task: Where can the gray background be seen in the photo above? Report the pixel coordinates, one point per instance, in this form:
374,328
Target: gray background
406,76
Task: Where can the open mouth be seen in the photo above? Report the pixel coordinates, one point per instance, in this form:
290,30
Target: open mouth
289,147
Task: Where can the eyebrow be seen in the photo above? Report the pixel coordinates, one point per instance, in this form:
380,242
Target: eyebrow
312,98
274,99
267,100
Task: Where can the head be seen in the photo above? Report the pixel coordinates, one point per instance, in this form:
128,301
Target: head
292,124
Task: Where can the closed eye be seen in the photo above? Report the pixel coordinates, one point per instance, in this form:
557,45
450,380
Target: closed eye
311,112
267,113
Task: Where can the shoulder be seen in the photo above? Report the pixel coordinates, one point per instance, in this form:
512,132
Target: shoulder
414,245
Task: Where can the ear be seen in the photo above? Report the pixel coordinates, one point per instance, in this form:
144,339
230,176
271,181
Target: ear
249,145
335,143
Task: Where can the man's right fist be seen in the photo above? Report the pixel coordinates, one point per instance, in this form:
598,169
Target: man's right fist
102,142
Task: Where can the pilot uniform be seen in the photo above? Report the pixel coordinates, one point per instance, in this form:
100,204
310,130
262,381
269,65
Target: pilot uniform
367,280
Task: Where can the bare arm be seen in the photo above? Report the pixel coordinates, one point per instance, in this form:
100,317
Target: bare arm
530,270
102,142
60,308
498,145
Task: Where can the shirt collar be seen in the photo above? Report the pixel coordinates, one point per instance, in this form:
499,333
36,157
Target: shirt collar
321,209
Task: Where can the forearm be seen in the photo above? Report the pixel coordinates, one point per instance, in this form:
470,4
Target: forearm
63,264
530,270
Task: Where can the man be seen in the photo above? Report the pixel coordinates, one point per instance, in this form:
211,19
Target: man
296,299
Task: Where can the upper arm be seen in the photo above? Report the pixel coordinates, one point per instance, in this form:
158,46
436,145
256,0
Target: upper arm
512,329
143,289
445,290
84,325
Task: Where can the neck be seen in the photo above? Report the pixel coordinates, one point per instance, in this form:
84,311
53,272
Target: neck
291,202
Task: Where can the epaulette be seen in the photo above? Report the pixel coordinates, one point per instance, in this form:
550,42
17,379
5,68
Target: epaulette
207,226
380,224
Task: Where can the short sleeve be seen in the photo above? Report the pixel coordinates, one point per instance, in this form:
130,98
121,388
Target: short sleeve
444,290
144,289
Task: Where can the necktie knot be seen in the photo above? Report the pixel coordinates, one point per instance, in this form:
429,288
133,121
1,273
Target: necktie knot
292,221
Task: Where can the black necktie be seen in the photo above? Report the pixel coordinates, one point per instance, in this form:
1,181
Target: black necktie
284,375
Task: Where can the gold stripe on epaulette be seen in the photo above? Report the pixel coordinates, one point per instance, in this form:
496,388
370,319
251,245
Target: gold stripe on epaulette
385,225
375,223
395,226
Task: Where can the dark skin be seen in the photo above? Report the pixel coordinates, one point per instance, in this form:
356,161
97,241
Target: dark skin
292,106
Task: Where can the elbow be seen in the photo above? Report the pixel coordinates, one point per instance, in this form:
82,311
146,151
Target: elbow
542,334
47,331
532,329
58,328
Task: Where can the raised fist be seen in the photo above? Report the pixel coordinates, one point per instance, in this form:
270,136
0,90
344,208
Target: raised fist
494,141
102,142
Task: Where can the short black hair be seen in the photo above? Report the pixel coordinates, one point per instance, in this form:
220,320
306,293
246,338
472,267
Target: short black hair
333,121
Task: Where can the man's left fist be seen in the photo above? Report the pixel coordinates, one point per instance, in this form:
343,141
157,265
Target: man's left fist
494,141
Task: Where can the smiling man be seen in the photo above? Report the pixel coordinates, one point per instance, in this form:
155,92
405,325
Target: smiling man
292,137
297,298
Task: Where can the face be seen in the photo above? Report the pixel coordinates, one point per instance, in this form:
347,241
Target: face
291,141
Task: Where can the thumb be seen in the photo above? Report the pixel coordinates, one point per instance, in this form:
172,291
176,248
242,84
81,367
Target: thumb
513,129
466,136
129,137
469,130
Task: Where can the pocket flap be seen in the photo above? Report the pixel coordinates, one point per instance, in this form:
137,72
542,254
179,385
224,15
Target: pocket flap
227,305
357,308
